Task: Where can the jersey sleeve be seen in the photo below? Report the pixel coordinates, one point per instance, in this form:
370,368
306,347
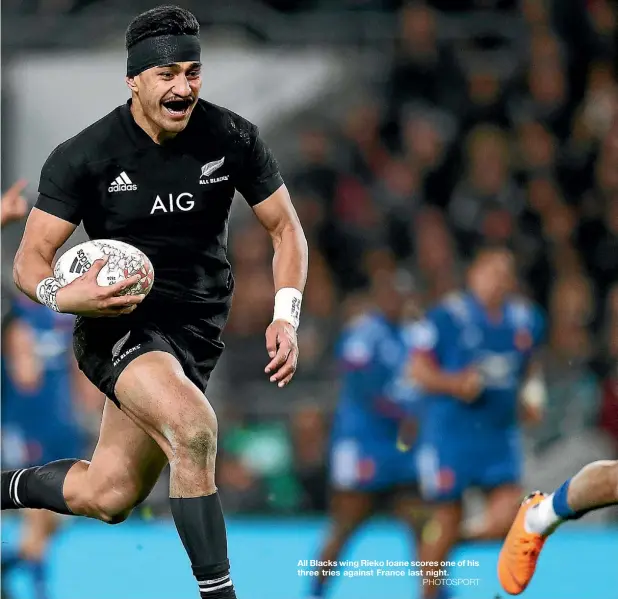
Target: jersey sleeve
355,351
259,177
539,327
62,188
357,359
428,335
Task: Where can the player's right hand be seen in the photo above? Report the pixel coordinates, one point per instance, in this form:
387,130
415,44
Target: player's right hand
469,385
85,297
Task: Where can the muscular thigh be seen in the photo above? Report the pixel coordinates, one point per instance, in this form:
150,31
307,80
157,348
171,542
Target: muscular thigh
126,460
154,392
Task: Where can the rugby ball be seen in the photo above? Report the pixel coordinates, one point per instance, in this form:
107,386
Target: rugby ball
124,262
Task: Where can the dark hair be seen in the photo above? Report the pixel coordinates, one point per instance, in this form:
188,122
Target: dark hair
488,249
163,20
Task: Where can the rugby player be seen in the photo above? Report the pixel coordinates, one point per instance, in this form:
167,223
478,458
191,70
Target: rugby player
37,373
473,355
159,173
594,487
372,459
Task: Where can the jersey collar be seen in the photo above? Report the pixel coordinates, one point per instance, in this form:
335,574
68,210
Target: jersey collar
476,305
136,134
139,137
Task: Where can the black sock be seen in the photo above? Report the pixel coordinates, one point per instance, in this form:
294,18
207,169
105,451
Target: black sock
39,487
201,527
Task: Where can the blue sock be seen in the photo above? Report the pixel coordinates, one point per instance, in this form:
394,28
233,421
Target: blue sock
560,503
562,507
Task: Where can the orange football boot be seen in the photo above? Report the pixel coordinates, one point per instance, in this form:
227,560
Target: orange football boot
520,550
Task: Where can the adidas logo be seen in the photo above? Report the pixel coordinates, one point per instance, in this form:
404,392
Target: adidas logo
80,264
77,267
122,183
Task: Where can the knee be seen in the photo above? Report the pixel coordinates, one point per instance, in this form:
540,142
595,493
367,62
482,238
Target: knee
196,443
111,507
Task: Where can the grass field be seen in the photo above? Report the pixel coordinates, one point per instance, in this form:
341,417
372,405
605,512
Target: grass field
144,560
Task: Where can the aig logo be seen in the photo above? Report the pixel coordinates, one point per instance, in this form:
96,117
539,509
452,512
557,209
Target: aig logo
183,202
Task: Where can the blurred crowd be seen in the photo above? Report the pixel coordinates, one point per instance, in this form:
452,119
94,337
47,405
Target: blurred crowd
435,161
442,155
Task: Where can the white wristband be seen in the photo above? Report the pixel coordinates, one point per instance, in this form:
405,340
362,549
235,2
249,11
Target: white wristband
534,393
46,292
287,305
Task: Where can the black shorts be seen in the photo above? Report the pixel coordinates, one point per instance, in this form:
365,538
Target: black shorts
105,346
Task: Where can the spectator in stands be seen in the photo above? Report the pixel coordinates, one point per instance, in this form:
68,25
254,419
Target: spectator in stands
609,359
536,14
573,388
536,150
367,153
486,99
546,98
429,151
251,310
438,269
423,72
241,491
309,437
317,335
558,230
316,177
260,458
399,195
573,24
598,242
487,186
532,248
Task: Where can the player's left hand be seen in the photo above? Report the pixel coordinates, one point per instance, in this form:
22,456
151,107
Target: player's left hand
282,347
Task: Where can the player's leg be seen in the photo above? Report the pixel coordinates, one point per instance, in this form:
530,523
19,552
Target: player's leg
124,467
347,511
440,536
501,507
154,391
443,474
498,471
499,468
408,505
592,488
38,529
415,513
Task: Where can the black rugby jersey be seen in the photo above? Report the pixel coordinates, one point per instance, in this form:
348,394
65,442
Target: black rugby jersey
171,201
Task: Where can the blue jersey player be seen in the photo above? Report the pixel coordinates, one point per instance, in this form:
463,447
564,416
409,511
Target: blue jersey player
372,444
38,423
473,356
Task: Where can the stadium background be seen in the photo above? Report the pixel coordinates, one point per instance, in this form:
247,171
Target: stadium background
407,136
